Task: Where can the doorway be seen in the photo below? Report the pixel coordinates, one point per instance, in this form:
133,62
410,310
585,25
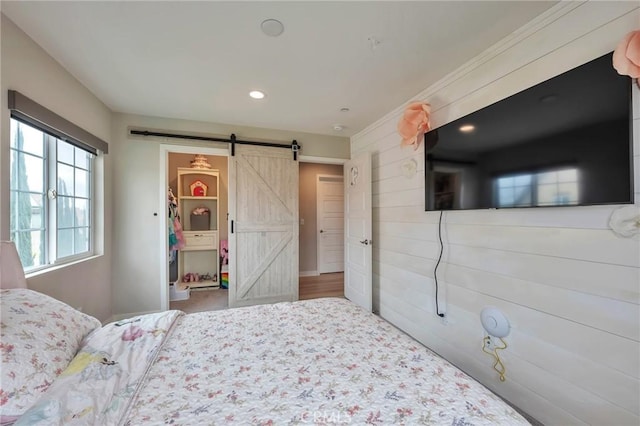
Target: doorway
173,157
312,266
199,262
323,165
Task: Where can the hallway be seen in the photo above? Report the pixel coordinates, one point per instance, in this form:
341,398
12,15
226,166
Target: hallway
324,285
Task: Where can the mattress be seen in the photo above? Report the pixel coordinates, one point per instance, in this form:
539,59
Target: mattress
322,361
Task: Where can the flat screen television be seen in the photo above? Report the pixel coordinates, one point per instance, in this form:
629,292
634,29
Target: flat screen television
564,142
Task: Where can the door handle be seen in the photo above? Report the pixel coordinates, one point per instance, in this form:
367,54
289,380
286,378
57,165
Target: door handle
365,242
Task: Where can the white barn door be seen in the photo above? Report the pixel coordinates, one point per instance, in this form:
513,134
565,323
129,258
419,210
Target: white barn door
358,285
263,226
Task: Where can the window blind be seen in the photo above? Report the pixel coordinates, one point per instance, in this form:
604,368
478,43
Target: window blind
32,113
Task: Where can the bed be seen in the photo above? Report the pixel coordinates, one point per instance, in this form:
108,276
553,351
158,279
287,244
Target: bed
323,361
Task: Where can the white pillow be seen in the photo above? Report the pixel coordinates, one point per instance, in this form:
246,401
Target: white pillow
39,336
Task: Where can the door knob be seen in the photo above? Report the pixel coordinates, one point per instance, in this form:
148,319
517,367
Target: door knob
321,231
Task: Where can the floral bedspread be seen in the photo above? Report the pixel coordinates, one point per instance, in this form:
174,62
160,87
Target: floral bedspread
97,386
324,361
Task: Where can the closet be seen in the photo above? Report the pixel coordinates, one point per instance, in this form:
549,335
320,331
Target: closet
257,212
198,185
198,260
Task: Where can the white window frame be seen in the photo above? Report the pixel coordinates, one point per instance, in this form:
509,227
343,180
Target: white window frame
49,223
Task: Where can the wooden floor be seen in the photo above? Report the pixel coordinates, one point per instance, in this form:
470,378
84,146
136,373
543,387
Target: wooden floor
324,285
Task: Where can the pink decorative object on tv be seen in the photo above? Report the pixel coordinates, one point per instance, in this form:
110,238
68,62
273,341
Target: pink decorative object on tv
414,123
626,57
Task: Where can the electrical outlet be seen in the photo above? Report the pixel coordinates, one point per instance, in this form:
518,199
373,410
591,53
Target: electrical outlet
301,221
489,343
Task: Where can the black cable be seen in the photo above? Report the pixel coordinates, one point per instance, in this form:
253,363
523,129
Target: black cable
435,271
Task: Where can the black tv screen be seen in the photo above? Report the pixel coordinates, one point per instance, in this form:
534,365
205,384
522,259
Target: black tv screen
564,142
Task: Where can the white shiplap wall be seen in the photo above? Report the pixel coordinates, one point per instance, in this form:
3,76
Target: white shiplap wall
569,286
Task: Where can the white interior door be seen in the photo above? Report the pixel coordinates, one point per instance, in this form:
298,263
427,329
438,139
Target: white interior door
330,223
263,220
357,196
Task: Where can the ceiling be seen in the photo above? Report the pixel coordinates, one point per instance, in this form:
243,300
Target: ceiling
199,60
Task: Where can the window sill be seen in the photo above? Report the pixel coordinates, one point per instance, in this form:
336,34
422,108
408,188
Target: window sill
51,268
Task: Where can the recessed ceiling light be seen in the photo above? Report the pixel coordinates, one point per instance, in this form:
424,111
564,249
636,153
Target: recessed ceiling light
338,127
272,27
467,128
256,94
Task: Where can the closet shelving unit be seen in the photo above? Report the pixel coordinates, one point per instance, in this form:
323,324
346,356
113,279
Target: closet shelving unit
200,253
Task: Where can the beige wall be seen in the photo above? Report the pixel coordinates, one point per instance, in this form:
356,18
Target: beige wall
137,258
30,70
308,212
566,282
217,162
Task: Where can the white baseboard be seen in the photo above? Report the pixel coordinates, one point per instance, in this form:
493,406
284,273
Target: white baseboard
308,273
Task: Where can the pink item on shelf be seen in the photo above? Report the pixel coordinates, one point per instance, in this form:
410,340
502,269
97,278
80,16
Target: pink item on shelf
626,57
414,123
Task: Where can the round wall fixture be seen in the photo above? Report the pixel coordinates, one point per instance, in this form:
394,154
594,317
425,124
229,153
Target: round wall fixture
625,221
272,27
409,168
494,322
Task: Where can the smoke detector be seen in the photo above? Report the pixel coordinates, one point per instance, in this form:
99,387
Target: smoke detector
374,42
272,27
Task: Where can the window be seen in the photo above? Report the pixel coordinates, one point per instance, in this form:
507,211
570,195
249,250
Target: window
51,185
51,205
549,188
